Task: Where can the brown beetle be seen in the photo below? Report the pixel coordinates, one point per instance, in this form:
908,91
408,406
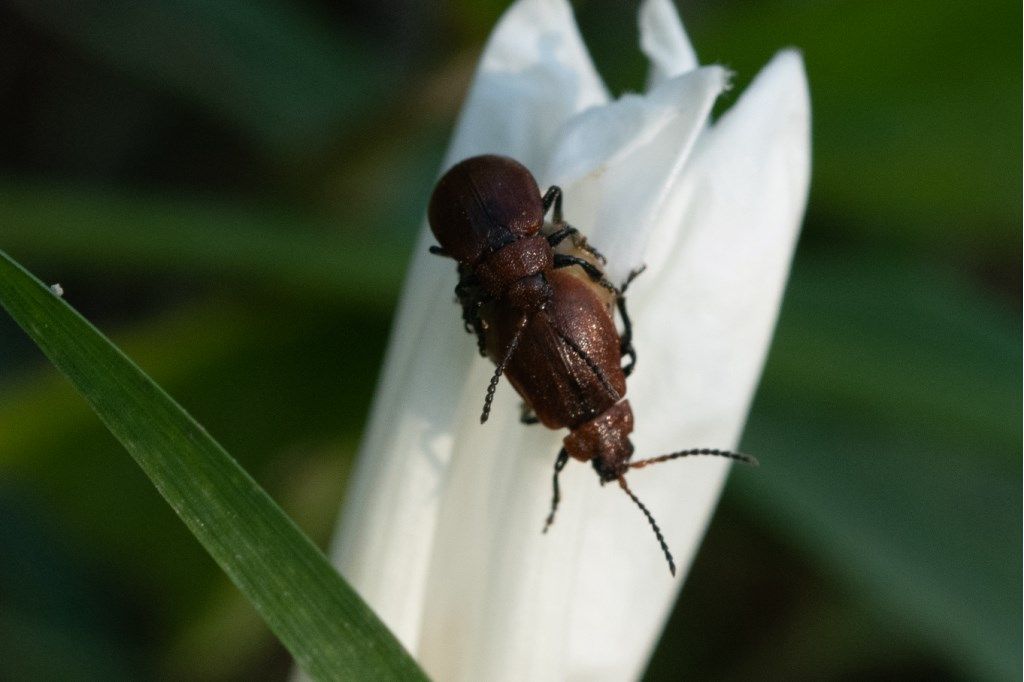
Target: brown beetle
537,299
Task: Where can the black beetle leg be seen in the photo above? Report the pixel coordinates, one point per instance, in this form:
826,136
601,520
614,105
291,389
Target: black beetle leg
563,261
593,252
438,251
560,462
558,236
626,342
567,230
633,274
468,293
553,196
473,325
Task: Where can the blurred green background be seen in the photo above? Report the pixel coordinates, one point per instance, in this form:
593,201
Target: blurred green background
231,190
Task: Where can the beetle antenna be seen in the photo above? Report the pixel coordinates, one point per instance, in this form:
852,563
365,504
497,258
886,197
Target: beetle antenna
563,457
738,456
654,525
500,369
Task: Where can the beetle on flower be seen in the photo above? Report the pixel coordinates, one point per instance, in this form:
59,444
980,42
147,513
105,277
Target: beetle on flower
439,532
537,299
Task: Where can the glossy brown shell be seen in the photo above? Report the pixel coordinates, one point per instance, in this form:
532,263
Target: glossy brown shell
548,369
482,204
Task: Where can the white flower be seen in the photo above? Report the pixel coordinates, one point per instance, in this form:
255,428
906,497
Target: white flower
441,528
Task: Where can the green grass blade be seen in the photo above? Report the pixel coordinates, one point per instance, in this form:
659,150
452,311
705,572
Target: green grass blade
318,617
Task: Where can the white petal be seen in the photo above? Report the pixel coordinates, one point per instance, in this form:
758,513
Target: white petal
703,324
500,591
498,608
663,39
538,74
534,73
616,163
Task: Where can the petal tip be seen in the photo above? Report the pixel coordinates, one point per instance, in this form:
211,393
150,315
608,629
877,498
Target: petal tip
664,41
782,82
787,63
524,19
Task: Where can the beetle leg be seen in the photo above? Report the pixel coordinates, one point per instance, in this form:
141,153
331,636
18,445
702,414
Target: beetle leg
626,341
564,260
472,323
553,196
633,274
527,415
438,251
563,457
468,293
559,235
593,252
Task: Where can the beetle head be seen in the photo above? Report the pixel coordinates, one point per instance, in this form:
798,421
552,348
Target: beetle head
604,441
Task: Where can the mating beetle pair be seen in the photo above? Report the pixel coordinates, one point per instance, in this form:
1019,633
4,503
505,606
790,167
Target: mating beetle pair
538,301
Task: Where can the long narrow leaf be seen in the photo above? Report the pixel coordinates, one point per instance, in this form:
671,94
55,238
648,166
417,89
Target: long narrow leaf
325,625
